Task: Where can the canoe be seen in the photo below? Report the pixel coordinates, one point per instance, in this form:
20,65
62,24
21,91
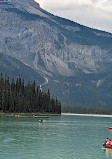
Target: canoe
108,146
110,128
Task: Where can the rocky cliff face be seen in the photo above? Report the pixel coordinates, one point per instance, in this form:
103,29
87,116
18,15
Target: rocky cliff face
55,47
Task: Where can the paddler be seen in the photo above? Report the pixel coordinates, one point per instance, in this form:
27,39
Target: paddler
107,141
110,142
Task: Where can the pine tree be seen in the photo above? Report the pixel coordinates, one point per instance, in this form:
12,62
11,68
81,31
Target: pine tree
17,97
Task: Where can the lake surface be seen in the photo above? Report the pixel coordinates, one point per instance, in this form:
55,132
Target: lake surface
59,137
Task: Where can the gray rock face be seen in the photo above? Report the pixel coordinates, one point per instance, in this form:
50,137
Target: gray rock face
52,45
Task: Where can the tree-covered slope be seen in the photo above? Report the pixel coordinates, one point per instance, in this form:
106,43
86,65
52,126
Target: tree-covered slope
17,97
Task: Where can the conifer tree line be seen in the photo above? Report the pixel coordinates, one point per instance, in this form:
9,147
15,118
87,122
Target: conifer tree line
87,109
17,97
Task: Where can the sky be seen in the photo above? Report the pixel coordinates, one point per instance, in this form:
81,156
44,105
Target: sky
92,13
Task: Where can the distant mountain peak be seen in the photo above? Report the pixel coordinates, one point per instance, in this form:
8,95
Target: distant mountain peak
30,2
23,2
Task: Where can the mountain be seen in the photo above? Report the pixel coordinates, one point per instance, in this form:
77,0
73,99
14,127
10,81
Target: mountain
72,60
12,67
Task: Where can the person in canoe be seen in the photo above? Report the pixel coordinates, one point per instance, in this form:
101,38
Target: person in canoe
107,142
40,121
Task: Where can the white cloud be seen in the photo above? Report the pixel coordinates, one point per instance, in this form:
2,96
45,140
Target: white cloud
92,13
60,5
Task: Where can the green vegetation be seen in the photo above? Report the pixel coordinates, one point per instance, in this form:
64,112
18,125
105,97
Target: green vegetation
87,110
15,97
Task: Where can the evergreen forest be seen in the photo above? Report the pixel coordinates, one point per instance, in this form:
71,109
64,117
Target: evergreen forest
17,97
87,109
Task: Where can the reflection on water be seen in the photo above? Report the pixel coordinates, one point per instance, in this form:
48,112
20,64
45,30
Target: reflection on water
108,152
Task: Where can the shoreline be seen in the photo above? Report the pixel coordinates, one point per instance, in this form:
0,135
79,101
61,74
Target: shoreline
50,114
86,114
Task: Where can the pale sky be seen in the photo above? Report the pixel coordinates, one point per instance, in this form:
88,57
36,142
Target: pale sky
92,13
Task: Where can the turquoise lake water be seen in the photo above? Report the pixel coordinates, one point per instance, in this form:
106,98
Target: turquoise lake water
59,137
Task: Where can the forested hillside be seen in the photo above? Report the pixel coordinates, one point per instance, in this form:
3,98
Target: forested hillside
29,98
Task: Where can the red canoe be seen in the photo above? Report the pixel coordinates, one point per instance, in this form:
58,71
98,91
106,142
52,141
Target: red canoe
108,146
109,127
